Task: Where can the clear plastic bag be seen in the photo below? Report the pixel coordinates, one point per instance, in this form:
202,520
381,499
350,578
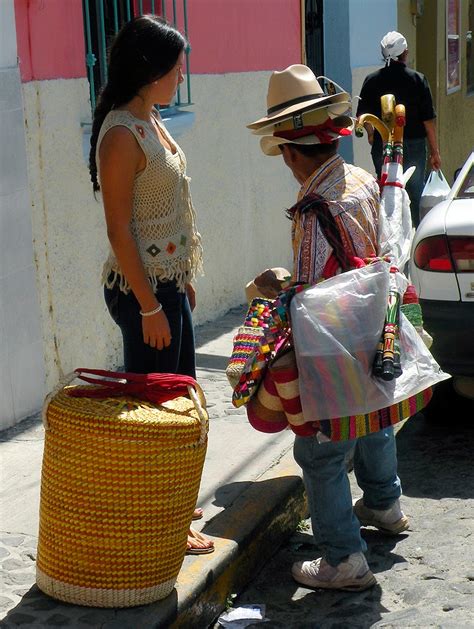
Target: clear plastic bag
395,228
336,326
436,190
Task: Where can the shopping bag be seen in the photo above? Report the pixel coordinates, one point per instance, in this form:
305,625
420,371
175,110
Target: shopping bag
336,328
436,190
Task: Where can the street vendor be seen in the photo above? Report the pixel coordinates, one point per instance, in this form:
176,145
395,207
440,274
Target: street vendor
303,125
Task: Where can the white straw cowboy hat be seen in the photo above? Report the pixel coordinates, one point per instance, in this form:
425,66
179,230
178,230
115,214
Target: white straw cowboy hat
295,89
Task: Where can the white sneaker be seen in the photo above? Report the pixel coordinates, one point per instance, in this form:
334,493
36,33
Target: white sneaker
352,574
391,520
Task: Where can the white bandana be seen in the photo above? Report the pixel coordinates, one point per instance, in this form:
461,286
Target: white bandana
392,46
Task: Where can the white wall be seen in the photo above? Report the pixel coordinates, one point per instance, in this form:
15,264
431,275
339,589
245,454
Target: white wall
69,233
239,193
240,196
21,353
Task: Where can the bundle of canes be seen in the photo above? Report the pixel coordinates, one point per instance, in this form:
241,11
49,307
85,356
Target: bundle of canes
387,363
387,357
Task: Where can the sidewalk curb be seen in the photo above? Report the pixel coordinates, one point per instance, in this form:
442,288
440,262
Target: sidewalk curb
246,534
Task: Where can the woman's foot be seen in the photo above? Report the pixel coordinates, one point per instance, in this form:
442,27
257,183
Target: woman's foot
198,513
198,544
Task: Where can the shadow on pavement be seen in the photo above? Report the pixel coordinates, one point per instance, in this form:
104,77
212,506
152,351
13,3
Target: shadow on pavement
37,610
212,362
29,429
297,606
435,457
226,494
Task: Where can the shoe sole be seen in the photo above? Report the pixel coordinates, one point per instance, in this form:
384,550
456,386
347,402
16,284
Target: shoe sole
365,582
390,529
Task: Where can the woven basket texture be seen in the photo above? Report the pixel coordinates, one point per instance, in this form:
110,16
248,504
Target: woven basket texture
120,480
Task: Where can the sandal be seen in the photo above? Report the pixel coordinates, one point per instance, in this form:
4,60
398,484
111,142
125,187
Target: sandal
198,513
195,545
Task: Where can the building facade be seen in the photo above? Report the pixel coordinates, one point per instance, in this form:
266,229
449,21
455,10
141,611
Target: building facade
52,314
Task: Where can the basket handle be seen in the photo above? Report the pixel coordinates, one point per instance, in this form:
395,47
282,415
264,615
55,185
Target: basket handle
117,381
197,396
63,382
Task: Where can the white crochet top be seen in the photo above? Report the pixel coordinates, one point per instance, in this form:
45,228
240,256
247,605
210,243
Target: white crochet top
163,218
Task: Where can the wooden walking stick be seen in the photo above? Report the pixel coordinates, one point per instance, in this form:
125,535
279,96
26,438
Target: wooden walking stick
387,357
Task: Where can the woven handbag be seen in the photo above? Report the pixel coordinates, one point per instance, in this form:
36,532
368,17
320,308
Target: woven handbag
248,337
121,471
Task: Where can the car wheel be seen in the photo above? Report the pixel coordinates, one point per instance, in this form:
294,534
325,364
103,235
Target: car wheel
447,405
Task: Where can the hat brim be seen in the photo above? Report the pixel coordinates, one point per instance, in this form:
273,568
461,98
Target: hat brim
330,110
252,291
270,144
282,113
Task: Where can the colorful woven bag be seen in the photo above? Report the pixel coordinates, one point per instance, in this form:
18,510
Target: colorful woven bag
121,471
248,337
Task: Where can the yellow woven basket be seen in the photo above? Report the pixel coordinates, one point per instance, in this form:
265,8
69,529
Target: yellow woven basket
120,480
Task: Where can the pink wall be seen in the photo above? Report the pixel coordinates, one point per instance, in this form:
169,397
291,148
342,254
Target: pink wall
225,36
50,39
243,35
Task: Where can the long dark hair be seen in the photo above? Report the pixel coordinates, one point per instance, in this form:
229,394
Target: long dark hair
145,49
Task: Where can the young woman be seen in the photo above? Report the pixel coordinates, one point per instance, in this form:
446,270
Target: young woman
155,247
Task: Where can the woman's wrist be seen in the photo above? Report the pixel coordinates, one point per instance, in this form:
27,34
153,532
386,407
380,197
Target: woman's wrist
153,311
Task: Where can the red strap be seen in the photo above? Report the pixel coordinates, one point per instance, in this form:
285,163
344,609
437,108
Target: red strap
321,131
154,387
383,182
332,265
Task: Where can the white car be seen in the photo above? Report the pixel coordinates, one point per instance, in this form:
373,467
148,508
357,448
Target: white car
442,271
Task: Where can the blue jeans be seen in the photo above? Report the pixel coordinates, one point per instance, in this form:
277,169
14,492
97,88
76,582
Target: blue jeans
335,527
414,154
139,357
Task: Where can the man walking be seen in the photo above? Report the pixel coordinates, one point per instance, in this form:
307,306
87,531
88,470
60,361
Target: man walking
411,89
303,124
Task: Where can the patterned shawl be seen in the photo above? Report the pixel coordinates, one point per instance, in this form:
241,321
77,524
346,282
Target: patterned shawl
353,199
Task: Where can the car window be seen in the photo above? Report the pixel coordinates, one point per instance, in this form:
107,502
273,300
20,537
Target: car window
466,190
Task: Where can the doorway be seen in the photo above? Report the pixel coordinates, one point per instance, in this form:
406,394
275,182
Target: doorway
314,40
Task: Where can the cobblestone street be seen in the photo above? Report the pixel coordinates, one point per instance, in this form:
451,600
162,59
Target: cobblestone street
425,577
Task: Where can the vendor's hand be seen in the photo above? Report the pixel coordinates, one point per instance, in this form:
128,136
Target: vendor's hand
268,284
156,330
191,293
435,160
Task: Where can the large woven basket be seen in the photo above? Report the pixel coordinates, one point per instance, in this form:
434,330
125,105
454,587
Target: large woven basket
119,484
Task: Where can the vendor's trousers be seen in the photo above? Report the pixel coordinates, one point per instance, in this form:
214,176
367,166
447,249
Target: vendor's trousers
335,527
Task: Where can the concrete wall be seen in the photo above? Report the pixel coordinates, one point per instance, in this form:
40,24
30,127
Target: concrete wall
52,315
68,228
455,111
240,196
21,356
454,121
365,56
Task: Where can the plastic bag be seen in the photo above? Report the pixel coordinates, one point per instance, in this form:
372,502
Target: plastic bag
395,228
336,327
436,190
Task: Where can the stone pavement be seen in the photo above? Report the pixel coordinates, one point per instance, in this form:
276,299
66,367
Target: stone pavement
425,577
251,492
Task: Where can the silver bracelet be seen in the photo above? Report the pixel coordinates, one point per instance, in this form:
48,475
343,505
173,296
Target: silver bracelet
158,309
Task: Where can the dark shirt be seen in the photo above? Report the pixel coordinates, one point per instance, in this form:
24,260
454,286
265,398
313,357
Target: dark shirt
409,87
